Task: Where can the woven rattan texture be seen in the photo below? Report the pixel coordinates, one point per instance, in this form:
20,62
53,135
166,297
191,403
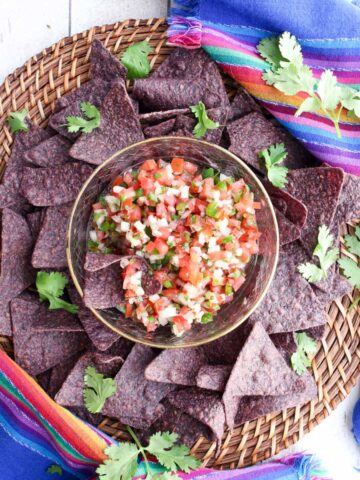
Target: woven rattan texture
336,367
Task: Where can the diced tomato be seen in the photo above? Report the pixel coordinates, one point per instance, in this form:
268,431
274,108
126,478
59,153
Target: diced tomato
147,184
170,200
184,274
161,210
181,323
151,327
237,282
195,277
161,175
118,181
128,309
161,246
160,304
129,293
257,205
238,185
208,188
97,206
177,165
170,293
165,233
150,247
190,167
128,179
135,214
161,275
200,206
214,256
126,204
184,258
148,165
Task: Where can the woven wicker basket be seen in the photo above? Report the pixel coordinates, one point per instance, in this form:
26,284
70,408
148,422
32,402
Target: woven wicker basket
336,367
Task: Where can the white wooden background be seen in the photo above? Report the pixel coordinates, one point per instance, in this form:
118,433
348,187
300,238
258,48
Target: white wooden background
28,26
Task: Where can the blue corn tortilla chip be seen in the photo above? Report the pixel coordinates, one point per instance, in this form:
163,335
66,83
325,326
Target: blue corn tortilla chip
10,195
37,351
93,92
253,132
52,379
179,366
50,246
119,128
103,288
85,93
97,261
259,370
100,335
70,393
242,104
151,118
16,271
319,189
213,377
103,64
251,407
290,303
173,420
184,78
288,231
54,186
53,151
160,129
35,220
203,405
137,400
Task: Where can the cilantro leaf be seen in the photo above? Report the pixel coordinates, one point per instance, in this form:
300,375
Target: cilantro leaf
204,122
50,286
16,121
55,469
306,346
97,390
135,59
84,125
290,75
274,155
121,463
352,242
171,456
327,256
165,476
351,270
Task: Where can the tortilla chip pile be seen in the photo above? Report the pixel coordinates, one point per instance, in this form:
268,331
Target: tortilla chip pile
193,391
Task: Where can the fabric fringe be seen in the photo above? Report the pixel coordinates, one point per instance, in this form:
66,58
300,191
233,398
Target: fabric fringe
306,466
184,32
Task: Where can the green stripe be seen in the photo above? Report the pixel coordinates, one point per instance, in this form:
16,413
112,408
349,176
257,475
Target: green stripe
233,57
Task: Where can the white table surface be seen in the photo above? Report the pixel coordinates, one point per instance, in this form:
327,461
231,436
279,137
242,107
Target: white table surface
28,26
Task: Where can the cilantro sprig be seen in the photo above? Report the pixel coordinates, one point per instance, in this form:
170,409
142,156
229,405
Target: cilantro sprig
290,75
50,286
97,389
273,156
17,121
135,59
122,460
306,347
55,469
84,125
326,254
349,267
204,123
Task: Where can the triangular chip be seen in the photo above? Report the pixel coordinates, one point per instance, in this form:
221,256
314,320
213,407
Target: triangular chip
54,186
119,128
97,261
319,189
290,303
56,375
103,64
92,92
259,370
101,336
185,78
50,152
242,104
288,231
203,405
16,271
213,377
36,352
253,132
50,246
71,393
160,129
137,400
178,366
103,288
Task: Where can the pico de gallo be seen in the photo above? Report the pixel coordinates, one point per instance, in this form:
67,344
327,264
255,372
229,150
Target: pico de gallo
197,230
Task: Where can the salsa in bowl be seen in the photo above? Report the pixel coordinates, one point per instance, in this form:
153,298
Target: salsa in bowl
186,238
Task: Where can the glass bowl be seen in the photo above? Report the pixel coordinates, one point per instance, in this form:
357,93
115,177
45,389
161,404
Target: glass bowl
259,272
